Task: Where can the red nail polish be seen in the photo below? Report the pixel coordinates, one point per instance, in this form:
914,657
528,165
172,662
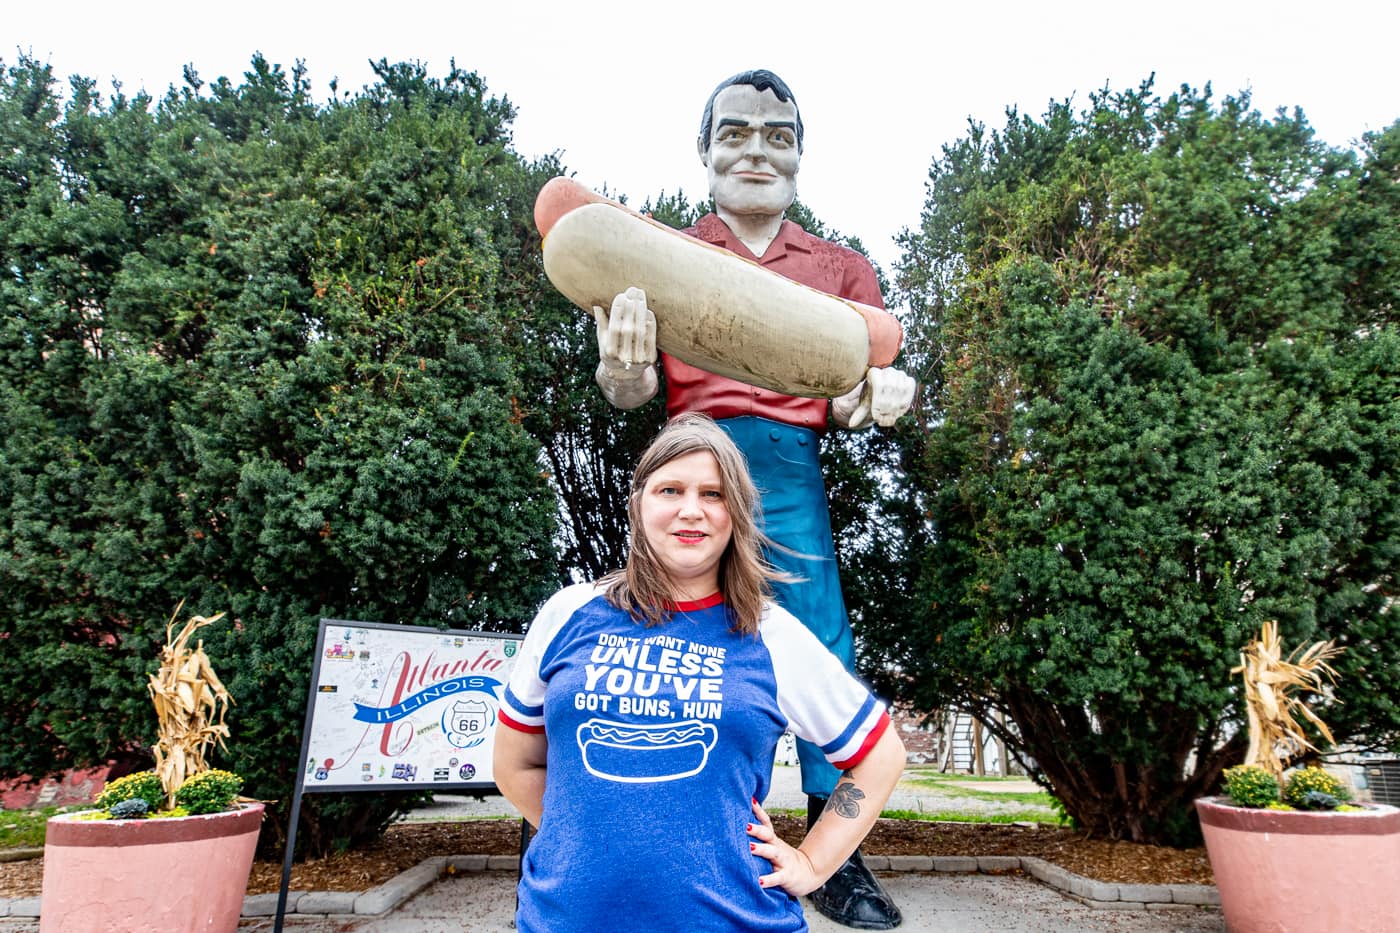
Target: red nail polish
754,800
748,826
752,846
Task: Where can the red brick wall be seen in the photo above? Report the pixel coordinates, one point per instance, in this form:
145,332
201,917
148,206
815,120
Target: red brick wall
920,742
72,788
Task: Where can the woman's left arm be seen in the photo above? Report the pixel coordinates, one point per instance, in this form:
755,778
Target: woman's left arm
852,809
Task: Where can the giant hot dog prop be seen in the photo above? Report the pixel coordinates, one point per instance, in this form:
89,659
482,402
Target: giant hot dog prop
715,310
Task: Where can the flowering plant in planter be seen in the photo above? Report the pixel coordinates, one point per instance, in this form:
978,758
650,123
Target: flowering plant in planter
1272,684
1309,788
120,857
190,703
1271,687
1287,851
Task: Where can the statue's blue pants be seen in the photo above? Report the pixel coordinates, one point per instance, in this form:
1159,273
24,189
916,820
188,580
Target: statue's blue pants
784,463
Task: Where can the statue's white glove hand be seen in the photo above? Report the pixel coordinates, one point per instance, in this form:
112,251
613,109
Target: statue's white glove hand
882,397
627,333
627,350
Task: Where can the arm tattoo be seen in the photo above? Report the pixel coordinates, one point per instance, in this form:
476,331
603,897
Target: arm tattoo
845,799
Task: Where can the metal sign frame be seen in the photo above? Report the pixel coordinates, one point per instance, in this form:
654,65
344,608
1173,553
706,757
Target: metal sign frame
471,680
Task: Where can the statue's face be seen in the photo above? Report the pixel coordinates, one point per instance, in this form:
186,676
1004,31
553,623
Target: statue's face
753,153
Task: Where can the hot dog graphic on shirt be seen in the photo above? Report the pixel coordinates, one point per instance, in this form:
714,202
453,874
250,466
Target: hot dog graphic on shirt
639,754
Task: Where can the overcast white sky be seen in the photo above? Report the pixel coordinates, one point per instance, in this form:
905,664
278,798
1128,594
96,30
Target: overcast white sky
617,87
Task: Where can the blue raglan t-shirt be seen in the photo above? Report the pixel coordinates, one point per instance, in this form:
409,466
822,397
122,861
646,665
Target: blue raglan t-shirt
659,738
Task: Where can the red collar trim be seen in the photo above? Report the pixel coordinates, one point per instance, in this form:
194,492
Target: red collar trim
712,229
694,605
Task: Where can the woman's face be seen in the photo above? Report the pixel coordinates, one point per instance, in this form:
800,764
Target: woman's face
686,521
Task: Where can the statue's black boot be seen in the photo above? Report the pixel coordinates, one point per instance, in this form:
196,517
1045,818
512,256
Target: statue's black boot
853,896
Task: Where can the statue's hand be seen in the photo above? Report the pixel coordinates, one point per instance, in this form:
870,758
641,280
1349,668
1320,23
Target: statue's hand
627,350
882,397
626,334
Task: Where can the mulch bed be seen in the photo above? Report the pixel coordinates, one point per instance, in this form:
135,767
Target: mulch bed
407,844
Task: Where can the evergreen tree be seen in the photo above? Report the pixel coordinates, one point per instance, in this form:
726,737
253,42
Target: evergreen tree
590,448
1161,404
254,354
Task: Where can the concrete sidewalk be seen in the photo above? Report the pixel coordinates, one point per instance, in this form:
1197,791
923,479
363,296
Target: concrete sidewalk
960,897
478,902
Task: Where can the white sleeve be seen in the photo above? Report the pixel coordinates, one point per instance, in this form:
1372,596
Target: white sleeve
822,701
522,707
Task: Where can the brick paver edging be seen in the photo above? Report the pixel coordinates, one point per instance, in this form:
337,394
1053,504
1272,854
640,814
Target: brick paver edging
385,897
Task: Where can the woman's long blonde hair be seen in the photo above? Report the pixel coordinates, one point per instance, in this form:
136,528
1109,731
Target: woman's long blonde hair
643,587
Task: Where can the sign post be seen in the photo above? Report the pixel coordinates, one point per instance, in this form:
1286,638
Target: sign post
398,707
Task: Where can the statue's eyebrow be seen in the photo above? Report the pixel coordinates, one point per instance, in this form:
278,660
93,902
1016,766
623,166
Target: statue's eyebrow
783,124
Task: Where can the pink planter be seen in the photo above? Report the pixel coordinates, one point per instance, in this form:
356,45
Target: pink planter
1280,871
183,873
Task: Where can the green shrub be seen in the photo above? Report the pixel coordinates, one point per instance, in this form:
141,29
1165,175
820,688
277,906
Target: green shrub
209,792
297,449
1251,786
1314,789
143,784
1066,818
1022,518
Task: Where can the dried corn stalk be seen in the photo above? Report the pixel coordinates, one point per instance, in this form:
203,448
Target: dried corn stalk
1270,682
190,703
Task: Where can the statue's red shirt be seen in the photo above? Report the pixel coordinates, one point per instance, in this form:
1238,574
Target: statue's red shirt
794,254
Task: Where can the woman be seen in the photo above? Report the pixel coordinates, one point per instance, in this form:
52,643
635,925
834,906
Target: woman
638,728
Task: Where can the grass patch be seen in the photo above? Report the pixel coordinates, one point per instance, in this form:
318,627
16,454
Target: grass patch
24,829
948,816
952,785
787,811
959,816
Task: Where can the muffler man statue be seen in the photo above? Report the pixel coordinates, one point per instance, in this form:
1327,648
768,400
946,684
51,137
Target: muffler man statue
750,142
